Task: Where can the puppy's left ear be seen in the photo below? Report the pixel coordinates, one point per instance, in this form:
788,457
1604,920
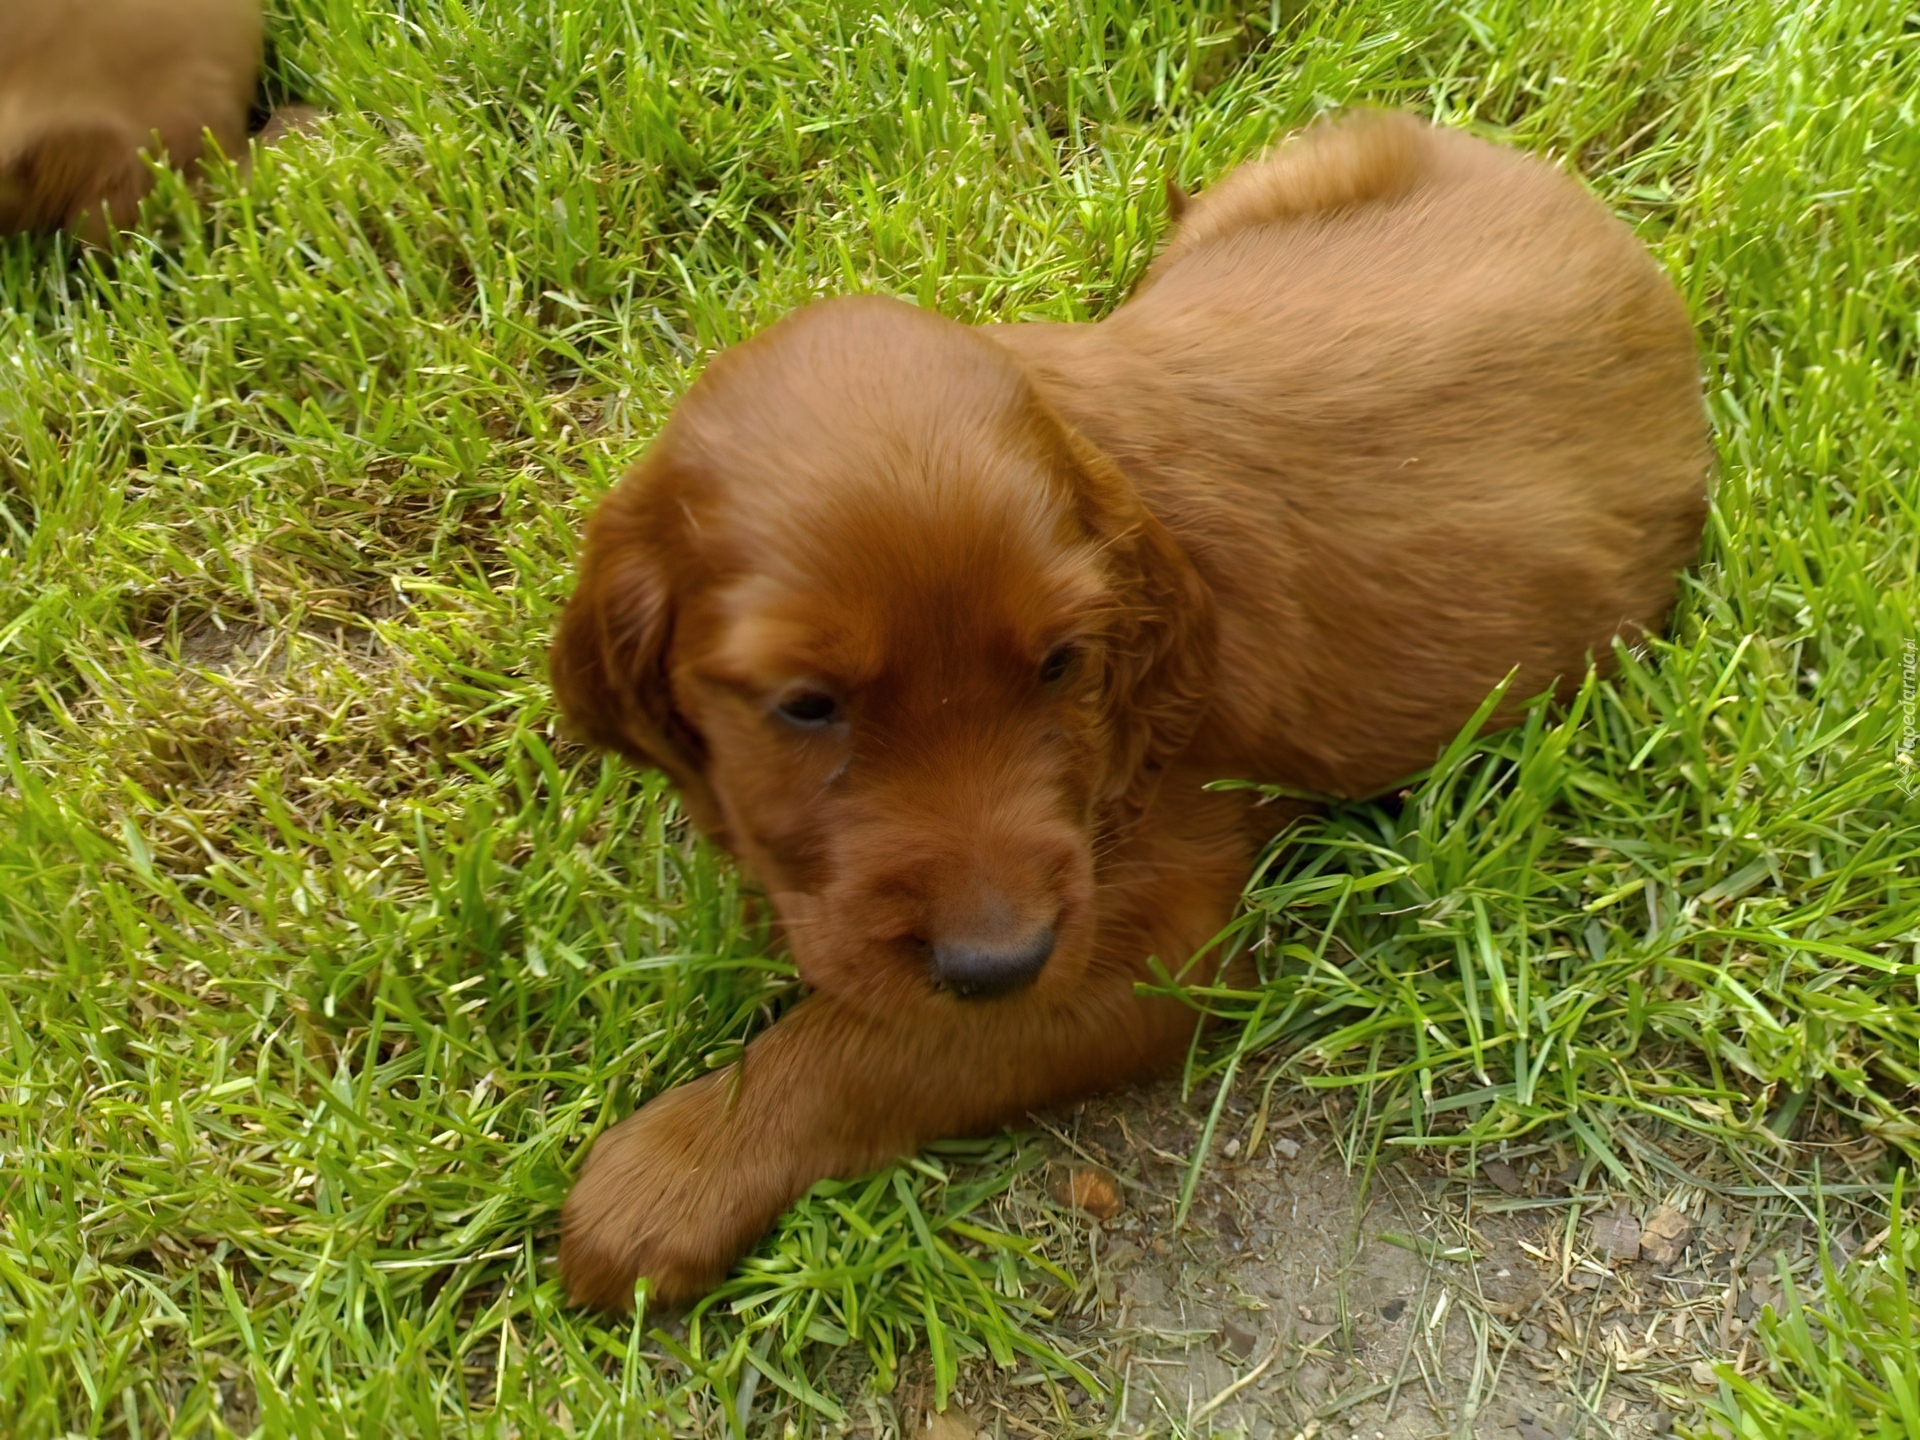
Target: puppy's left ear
609,658
1162,660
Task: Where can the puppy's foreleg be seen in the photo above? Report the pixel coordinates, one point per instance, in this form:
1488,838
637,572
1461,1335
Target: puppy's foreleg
682,1188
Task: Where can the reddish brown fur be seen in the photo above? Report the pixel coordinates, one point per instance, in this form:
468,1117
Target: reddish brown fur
86,85
1395,413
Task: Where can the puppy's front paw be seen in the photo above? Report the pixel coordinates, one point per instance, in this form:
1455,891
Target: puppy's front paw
664,1194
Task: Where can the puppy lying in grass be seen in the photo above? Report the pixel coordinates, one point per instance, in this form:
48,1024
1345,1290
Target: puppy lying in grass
942,630
86,85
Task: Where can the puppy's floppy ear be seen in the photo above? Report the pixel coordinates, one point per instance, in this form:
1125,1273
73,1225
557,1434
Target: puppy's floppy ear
609,659
1161,659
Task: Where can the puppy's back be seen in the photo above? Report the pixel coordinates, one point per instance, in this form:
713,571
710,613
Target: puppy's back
1422,410
85,85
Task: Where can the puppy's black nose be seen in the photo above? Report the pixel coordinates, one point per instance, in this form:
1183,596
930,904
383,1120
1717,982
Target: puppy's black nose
974,970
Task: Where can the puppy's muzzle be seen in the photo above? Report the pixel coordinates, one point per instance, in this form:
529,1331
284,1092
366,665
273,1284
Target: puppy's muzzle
975,970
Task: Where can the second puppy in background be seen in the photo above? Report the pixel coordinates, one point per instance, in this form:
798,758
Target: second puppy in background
87,85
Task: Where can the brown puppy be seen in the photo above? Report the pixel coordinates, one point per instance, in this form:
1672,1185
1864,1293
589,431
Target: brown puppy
941,631
86,85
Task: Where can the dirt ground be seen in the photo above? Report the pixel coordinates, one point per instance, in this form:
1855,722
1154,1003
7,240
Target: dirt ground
1525,1298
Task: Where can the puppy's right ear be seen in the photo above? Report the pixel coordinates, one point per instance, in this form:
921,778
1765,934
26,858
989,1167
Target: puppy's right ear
609,659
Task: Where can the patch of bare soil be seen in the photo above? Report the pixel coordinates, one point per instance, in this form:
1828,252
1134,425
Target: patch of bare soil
1522,1300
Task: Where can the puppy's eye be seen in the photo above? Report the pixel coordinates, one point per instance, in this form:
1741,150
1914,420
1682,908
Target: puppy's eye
809,709
1058,662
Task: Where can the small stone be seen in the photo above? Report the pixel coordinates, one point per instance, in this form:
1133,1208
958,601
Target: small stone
1235,1343
952,1423
1501,1174
1663,1239
1087,1189
1764,1295
1286,1148
1617,1236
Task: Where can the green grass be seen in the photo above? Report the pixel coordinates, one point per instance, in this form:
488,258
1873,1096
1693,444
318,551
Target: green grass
321,954
1846,1366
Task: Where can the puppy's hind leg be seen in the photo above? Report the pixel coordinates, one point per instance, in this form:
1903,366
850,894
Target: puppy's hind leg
1358,159
89,179
1177,200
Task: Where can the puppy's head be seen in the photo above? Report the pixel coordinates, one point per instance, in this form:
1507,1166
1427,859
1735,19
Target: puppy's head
907,645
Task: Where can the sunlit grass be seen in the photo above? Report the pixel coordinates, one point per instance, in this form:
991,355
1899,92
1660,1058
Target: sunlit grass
322,954
1844,1365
